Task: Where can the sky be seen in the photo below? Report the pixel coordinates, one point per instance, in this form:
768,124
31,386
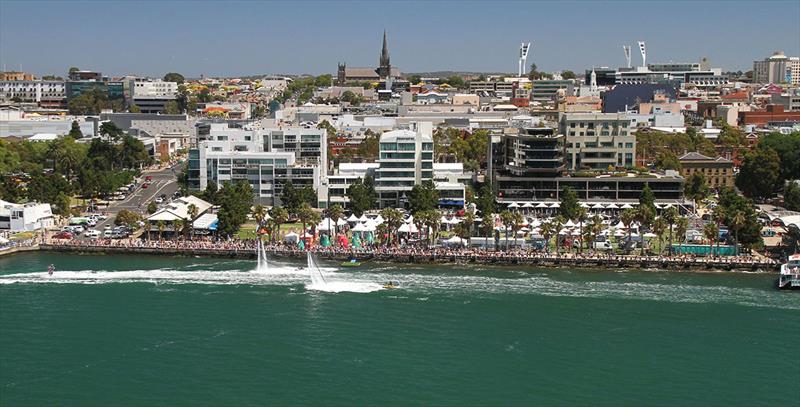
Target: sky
231,38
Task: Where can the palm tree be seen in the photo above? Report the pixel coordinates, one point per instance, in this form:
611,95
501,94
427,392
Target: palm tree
645,216
259,213
516,222
711,231
192,209
670,216
393,219
627,217
177,225
307,215
681,226
161,227
432,222
593,228
279,216
469,221
581,216
737,222
334,214
547,230
558,223
659,228
487,226
720,217
507,219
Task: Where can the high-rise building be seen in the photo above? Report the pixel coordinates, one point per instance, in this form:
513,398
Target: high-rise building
778,68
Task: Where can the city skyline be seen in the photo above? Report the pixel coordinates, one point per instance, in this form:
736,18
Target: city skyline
249,38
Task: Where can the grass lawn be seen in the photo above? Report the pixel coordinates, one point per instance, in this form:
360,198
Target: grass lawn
248,230
22,236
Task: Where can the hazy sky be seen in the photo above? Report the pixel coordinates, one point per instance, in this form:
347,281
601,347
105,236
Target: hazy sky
151,37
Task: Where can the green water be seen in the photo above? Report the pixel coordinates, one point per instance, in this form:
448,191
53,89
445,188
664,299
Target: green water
139,330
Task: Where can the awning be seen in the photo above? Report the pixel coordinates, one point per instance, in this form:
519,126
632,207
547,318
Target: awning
206,221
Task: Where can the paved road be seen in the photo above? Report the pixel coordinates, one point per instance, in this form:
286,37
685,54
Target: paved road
163,182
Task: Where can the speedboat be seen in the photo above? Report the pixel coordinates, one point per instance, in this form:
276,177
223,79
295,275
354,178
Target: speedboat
789,278
391,285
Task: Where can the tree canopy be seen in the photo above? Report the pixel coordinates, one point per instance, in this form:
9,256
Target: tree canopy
292,197
760,173
569,206
362,195
423,197
234,201
174,77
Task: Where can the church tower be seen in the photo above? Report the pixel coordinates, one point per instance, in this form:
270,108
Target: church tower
385,67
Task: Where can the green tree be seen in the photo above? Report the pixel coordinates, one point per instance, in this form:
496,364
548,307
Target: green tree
423,197
127,218
174,77
580,217
696,188
659,228
791,196
569,203
760,173
234,201
362,195
788,148
647,198
507,218
645,215
172,107
134,109
307,215
110,130
568,74
210,193
75,130
485,202
667,160
368,149
152,207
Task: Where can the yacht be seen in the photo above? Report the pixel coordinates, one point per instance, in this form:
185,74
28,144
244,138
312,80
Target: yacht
790,274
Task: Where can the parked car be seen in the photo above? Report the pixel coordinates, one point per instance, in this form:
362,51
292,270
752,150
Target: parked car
145,185
93,234
108,233
159,200
63,235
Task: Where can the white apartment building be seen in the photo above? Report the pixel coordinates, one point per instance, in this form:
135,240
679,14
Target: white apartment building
265,158
32,91
598,140
24,217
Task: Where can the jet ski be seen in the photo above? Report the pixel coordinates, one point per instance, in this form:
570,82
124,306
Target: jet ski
391,285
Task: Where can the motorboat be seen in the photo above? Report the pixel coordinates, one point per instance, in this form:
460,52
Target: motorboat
351,263
789,278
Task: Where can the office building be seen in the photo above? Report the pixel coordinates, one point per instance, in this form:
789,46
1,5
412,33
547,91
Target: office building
151,96
548,89
598,140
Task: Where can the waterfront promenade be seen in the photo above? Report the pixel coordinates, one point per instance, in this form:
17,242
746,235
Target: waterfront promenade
246,249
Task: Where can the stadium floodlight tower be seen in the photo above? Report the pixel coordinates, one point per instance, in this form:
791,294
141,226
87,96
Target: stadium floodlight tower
643,50
523,57
627,50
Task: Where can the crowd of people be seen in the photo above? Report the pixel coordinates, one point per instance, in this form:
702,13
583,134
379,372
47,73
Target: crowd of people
416,253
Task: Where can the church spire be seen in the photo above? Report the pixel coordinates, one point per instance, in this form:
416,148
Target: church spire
385,66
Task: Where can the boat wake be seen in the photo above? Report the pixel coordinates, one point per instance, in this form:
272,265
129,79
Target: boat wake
422,283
